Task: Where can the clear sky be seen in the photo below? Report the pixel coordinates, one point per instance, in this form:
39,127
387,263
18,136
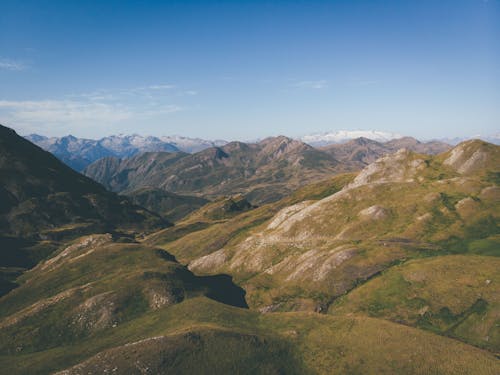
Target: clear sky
248,69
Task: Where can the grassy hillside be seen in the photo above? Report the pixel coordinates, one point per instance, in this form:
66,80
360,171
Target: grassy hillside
202,232
170,206
303,254
101,327
402,256
455,295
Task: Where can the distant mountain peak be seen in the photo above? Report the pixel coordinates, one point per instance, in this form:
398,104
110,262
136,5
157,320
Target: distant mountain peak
339,136
78,153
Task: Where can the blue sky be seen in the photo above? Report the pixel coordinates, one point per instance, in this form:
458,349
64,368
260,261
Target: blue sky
249,69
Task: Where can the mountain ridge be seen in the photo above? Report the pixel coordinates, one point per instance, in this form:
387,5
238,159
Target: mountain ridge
80,152
45,202
264,171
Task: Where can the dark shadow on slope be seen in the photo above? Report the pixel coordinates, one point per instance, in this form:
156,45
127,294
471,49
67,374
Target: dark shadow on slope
222,289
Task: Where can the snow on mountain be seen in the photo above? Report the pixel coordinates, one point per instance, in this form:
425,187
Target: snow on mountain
192,145
495,138
129,145
80,152
323,139
492,138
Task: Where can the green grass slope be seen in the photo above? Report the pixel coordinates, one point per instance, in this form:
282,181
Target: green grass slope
214,226
170,206
200,335
310,252
455,295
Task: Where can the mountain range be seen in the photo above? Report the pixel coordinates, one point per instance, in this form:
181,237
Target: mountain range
80,152
342,136
264,172
346,265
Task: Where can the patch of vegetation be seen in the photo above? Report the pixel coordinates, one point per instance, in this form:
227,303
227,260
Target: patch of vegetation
437,294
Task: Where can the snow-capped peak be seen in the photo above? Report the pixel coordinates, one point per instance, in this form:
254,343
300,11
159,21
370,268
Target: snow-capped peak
191,144
323,139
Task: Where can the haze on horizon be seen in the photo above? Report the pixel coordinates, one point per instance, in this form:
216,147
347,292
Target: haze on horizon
249,69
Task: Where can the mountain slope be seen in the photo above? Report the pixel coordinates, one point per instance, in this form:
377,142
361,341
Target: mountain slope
101,306
410,239
44,201
360,152
264,172
192,145
403,206
169,205
44,194
145,170
455,295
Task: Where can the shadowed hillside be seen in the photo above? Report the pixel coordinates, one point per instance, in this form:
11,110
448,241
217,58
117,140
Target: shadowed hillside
44,201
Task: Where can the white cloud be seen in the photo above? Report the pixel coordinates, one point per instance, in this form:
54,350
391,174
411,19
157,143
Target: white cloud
162,110
187,93
361,82
319,84
62,112
160,87
74,112
6,64
93,110
147,91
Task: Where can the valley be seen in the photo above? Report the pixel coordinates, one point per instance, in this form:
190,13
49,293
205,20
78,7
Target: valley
256,258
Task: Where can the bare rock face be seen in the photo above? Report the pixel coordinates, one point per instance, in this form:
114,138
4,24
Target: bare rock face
472,157
490,193
97,312
463,163
402,166
80,248
313,265
209,263
286,214
163,295
374,213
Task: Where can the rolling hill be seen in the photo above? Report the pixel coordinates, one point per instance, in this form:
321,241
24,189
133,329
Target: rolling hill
101,306
304,254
